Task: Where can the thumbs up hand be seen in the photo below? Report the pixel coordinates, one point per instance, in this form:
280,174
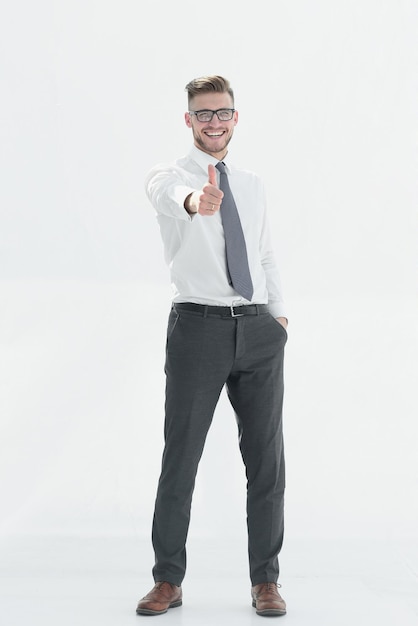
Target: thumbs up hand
207,201
212,176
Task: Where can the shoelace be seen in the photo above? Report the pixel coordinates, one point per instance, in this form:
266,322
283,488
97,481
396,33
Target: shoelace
272,586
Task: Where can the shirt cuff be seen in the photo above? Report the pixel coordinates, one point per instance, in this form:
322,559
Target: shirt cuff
180,194
277,309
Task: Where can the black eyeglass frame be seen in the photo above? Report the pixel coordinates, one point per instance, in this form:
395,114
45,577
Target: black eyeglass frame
231,111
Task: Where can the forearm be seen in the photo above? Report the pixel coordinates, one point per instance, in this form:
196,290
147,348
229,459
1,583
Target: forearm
167,193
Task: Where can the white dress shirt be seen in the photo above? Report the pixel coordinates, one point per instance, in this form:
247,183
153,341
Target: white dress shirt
194,245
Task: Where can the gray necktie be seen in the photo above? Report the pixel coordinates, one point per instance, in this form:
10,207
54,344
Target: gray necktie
236,250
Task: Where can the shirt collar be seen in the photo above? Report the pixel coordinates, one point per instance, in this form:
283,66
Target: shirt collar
203,159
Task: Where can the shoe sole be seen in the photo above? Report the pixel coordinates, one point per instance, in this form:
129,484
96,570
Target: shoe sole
269,612
150,612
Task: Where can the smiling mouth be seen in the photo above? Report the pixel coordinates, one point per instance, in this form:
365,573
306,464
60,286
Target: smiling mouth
215,135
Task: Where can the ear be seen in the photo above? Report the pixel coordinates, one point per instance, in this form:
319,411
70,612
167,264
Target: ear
188,120
235,118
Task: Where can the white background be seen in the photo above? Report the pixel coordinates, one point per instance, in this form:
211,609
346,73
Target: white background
92,97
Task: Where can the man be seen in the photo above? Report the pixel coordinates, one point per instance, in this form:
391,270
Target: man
226,327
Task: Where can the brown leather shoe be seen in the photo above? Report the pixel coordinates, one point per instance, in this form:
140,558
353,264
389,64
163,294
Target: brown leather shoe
162,597
267,600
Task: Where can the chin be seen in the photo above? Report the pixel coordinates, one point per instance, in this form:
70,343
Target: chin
216,149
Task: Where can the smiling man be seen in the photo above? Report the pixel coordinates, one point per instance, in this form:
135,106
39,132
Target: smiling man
226,328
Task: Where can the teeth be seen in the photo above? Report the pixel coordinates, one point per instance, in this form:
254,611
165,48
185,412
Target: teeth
214,134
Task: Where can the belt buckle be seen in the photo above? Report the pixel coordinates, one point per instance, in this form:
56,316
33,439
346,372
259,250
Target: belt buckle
233,314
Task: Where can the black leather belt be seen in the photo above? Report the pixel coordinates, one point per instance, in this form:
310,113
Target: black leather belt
222,311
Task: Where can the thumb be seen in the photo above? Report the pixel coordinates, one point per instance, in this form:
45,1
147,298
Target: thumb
212,175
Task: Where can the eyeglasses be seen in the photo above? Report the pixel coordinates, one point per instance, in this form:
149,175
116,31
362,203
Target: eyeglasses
206,115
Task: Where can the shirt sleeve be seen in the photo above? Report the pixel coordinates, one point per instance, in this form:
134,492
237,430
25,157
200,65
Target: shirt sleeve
167,190
276,303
